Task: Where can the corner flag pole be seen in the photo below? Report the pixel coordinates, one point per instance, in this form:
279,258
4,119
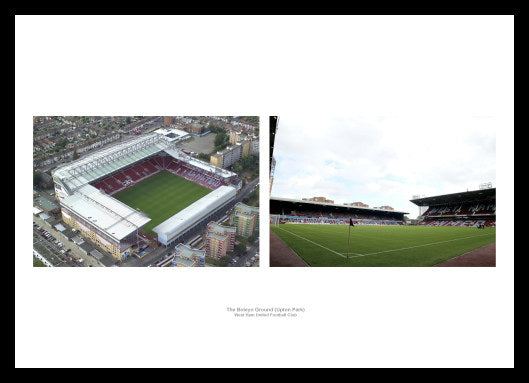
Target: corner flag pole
348,241
349,238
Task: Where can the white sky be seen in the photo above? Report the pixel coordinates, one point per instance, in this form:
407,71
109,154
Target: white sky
382,160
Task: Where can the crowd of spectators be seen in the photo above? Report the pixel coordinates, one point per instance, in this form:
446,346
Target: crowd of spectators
464,215
462,210
320,217
127,177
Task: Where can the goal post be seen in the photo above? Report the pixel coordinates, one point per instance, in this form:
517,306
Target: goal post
274,220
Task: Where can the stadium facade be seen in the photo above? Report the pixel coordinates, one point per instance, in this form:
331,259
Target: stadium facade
85,187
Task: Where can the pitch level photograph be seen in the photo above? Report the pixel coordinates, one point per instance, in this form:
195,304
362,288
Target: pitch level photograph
146,191
382,191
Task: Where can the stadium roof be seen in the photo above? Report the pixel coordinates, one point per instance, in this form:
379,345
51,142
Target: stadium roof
273,130
464,197
179,222
109,159
112,158
334,205
106,213
200,164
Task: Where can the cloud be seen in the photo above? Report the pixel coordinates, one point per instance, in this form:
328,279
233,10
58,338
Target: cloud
382,160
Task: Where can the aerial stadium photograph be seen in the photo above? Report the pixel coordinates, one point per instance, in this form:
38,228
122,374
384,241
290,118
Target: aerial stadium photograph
382,192
146,191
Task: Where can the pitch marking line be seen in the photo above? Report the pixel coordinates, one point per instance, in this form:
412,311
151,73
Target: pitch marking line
427,244
317,244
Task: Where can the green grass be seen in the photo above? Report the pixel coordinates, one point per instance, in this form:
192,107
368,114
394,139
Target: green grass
326,245
161,196
38,263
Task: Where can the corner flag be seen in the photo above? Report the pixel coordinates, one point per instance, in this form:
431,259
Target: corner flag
349,237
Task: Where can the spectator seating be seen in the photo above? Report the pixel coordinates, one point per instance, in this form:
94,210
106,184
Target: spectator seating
125,178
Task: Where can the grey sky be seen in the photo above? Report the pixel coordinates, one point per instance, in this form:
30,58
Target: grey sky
382,160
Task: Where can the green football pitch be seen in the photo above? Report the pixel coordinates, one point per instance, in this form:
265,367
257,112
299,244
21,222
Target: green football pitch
327,245
161,196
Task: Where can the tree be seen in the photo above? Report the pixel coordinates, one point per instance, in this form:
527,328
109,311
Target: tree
248,162
215,129
224,261
221,140
253,198
61,143
237,167
36,178
203,156
239,248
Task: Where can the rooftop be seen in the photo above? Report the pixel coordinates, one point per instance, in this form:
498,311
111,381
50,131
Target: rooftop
104,212
195,211
183,261
107,160
463,197
216,236
188,252
45,203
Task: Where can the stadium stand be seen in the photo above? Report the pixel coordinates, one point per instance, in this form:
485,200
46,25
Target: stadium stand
125,178
465,209
309,212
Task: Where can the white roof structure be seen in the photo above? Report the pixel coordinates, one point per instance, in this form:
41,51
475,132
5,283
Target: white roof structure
110,159
107,160
172,134
187,217
200,164
105,213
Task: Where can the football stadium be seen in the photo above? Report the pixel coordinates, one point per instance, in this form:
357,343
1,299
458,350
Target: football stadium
143,188
456,229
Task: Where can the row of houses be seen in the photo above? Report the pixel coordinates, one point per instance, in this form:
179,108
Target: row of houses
68,152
